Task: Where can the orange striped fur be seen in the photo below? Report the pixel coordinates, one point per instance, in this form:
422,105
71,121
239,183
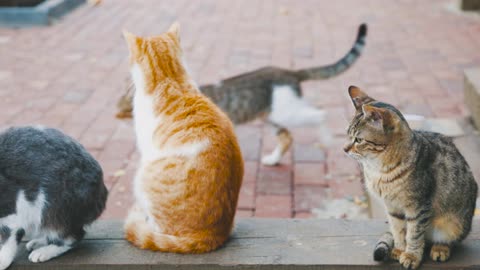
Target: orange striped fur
191,168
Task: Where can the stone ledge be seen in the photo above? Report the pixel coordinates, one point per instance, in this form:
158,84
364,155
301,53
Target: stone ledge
472,93
255,244
42,14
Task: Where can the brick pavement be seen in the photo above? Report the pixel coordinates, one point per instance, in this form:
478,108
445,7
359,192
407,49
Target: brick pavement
71,74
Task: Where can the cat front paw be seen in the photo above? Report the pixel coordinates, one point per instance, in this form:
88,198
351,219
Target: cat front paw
34,244
410,260
395,254
4,265
5,262
43,254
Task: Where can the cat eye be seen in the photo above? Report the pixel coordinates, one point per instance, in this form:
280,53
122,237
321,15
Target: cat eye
358,140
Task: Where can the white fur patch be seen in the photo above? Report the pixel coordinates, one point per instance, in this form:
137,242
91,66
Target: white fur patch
144,119
437,236
290,110
190,150
27,217
29,214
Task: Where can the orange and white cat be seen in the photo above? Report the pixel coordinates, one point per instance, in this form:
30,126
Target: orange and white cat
191,168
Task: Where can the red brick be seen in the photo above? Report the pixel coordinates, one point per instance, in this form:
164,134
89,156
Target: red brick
249,138
120,197
406,70
308,153
306,135
310,174
279,206
308,197
250,171
247,196
340,164
346,186
303,215
275,180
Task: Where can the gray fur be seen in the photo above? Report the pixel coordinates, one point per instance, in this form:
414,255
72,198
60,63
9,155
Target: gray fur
45,160
248,96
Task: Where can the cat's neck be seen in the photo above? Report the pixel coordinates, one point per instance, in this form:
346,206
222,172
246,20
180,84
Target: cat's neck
150,105
393,161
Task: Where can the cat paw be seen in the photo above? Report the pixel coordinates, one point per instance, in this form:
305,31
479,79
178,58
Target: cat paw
440,253
42,254
4,264
271,160
34,244
395,254
409,260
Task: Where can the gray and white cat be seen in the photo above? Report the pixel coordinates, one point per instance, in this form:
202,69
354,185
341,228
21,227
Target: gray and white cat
51,187
272,93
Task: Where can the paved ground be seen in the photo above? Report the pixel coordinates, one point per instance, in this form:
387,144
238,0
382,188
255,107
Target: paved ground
71,74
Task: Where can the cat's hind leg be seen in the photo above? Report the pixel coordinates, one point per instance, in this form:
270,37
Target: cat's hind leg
445,231
440,252
284,142
36,243
44,249
9,240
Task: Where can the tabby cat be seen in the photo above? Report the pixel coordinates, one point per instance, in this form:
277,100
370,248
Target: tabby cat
51,188
191,169
425,183
272,92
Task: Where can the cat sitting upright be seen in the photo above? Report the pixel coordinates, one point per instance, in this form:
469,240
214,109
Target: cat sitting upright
425,183
191,168
51,187
270,92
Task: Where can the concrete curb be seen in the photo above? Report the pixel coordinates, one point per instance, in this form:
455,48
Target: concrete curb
42,14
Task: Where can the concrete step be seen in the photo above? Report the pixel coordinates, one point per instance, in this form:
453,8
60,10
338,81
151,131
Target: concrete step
255,244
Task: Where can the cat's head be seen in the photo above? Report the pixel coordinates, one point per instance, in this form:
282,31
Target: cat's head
155,59
376,128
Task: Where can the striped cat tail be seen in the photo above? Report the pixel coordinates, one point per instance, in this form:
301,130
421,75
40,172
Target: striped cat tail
325,72
383,248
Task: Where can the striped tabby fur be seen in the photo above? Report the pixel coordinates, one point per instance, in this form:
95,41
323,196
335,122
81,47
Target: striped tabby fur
425,183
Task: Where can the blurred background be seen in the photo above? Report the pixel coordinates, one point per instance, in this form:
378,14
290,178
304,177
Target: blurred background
68,71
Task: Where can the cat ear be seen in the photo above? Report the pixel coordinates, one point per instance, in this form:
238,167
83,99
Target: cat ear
175,29
131,39
378,117
358,97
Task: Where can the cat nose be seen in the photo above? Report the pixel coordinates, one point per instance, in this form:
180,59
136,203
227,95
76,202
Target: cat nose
347,148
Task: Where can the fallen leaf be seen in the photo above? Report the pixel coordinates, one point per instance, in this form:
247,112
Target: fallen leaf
119,173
